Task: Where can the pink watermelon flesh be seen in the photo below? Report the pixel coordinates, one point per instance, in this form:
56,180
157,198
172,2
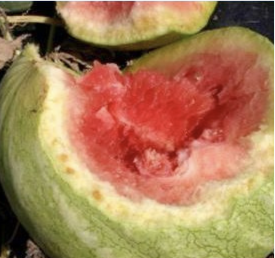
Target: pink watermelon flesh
162,137
103,11
109,12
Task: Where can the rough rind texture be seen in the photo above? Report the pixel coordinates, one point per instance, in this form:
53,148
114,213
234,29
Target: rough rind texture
149,32
64,221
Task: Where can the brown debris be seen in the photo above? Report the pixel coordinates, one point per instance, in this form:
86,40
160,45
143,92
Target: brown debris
33,251
8,49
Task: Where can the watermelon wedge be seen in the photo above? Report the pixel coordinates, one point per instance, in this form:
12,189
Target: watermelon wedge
134,25
173,158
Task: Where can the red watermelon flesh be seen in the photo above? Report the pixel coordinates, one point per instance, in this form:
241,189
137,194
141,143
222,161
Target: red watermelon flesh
163,137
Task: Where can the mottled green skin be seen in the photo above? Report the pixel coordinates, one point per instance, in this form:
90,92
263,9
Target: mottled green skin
39,194
33,183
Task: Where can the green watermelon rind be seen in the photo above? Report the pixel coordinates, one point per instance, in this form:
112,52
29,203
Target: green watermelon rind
130,39
65,223
15,7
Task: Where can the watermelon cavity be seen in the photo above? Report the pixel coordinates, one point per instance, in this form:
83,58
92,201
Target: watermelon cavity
164,137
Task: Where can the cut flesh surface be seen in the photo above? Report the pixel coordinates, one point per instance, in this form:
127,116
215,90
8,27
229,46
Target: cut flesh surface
109,12
134,24
163,137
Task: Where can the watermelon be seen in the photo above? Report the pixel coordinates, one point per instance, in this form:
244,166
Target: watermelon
12,7
134,25
171,158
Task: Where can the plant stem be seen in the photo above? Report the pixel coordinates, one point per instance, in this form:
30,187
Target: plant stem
34,19
15,231
50,39
4,27
37,19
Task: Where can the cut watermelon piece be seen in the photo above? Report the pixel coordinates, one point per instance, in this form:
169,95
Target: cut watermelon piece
134,25
173,158
140,130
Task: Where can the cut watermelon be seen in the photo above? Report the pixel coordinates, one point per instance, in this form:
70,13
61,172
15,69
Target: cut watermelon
138,130
134,25
173,158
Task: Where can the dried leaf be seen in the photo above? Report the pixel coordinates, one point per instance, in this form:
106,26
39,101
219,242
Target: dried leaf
8,48
33,250
4,252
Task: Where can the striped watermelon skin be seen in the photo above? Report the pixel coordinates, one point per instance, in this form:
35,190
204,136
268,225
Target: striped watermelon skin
68,218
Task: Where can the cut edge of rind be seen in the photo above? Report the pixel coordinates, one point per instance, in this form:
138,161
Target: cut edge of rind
140,41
